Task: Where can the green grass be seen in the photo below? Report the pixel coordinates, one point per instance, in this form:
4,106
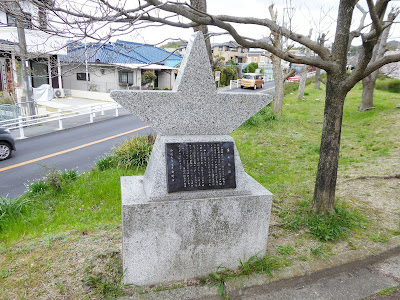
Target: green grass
388,291
282,152
80,206
388,84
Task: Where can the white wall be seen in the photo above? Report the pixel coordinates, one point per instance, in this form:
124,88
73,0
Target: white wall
166,79
3,17
99,82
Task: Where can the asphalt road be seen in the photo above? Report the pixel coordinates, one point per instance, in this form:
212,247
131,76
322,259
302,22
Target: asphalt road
77,148
268,88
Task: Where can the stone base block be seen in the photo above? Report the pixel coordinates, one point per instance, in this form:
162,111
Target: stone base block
175,240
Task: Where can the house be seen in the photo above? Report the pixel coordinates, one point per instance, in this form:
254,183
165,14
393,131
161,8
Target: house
103,67
43,49
259,56
230,51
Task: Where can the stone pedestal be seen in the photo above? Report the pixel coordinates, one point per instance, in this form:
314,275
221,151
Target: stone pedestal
181,239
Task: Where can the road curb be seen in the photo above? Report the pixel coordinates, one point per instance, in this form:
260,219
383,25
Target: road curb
286,277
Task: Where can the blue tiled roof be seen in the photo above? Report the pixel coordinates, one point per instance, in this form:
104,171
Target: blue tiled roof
121,52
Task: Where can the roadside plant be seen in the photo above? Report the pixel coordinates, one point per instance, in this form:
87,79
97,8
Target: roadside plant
106,162
38,187
134,152
12,209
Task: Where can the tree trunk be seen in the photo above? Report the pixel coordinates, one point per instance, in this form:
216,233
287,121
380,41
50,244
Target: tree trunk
201,5
368,83
302,84
367,101
303,78
317,84
279,84
325,186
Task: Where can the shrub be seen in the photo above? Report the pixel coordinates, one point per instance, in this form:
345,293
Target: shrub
134,152
228,73
251,68
389,84
148,77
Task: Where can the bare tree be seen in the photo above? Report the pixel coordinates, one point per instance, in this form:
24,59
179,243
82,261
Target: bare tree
367,101
333,61
317,85
303,78
280,74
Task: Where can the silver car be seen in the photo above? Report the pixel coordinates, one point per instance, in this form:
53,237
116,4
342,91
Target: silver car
7,144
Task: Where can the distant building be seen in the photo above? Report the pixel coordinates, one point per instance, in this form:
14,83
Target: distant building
120,65
43,49
259,56
230,51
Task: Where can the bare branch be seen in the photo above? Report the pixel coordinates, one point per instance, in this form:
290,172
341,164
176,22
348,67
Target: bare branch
322,80
290,74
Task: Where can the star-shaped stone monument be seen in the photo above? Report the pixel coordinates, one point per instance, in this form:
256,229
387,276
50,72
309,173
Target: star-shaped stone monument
195,208
194,107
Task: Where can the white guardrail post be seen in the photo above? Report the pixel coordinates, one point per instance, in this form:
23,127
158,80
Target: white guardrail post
21,127
60,124
102,110
91,114
116,110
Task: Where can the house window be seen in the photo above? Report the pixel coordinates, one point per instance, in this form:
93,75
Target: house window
220,48
27,20
262,59
249,59
82,76
242,49
255,59
126,77
11,21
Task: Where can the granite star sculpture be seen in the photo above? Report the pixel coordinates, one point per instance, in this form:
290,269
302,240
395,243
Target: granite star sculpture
194,107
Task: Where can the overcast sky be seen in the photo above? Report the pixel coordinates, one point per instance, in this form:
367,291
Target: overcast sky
300,15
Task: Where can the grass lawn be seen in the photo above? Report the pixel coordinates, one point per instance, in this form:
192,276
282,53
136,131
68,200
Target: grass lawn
65,241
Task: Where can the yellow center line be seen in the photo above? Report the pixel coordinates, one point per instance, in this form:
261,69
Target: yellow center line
70,149
265,90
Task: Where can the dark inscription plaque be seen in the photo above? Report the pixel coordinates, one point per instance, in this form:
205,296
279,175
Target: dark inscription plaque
200,166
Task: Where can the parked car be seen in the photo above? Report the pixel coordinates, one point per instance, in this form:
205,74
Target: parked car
252,80
7,143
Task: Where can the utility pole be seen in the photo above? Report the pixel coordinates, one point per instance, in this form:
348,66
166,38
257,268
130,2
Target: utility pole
27,84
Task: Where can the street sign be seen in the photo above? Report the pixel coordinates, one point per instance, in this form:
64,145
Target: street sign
217,75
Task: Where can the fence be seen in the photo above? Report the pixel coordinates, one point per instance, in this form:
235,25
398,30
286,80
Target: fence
8,111
24,121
